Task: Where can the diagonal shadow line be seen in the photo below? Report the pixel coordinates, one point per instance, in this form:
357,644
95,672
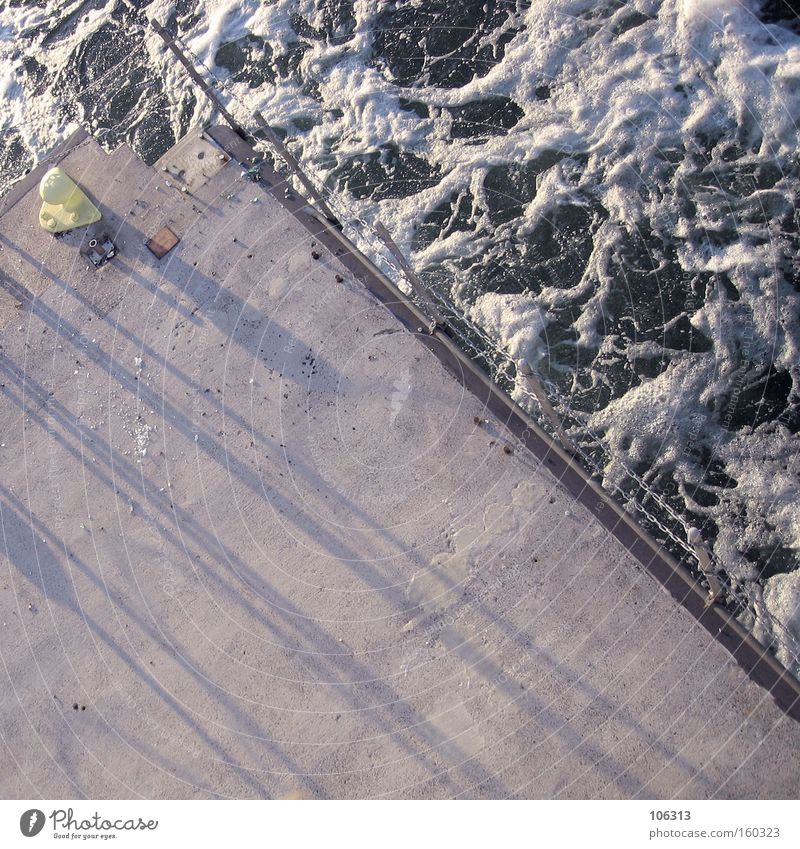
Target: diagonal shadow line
177,419
211,448
209,543
596,697
256,317
345,665
55,321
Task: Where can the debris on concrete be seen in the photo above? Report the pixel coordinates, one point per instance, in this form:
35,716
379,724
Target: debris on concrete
162,243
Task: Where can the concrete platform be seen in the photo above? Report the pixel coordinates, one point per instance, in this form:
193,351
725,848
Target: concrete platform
255,542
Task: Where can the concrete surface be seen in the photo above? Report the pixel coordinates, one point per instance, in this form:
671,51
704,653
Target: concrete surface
255,543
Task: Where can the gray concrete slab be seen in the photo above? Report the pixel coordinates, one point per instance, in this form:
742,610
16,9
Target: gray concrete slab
255,543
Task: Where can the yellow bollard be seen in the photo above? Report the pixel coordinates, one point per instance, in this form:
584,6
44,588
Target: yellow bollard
64,205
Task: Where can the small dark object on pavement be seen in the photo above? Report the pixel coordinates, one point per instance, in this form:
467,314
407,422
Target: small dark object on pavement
100,250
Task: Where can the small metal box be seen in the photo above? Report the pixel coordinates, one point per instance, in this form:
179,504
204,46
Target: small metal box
100,250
